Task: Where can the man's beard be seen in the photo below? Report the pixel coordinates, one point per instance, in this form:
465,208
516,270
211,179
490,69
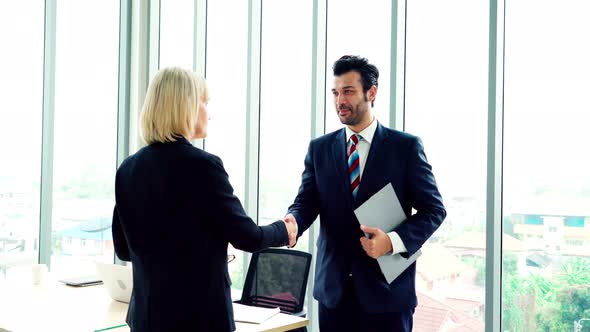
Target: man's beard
355,116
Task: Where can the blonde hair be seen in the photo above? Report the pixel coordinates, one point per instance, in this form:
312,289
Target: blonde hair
171,106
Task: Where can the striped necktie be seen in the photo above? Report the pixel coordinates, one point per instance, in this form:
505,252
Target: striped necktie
354,169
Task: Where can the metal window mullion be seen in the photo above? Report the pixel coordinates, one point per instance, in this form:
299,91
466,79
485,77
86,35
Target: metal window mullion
123,103
252,142
47,136
200,46
318,68
145,49
200,37
493,290
397,65
318,127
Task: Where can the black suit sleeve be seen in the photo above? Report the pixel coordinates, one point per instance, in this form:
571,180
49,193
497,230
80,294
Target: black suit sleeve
119,240
305,208
424,197
227,211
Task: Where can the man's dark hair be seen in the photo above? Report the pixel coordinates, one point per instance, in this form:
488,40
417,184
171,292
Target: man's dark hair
369,73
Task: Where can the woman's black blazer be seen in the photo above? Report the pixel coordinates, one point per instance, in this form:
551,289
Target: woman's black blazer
174,216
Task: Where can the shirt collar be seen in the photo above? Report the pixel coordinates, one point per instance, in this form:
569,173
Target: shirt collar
367,133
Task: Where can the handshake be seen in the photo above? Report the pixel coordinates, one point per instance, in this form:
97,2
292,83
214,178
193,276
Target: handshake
292,229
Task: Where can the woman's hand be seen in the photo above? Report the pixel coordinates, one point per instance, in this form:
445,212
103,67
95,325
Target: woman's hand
292,229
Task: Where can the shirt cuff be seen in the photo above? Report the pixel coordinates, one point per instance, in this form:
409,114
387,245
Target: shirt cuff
396,243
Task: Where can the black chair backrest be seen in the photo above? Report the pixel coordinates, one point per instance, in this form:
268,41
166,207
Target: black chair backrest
277,278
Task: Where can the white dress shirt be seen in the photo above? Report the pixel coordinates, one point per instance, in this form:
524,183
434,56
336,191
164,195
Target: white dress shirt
362,148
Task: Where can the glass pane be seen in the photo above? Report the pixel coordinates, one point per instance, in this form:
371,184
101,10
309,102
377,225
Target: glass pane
176,33
546,183
367,34
85,134
446,105
21,84
285,105
227,99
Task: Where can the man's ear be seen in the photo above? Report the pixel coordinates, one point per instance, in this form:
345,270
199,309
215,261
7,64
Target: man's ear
372,93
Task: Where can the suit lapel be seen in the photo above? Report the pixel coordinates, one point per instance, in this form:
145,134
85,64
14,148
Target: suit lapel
374,166
341,164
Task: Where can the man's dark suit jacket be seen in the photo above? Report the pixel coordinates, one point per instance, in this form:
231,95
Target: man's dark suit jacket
394,157
175,213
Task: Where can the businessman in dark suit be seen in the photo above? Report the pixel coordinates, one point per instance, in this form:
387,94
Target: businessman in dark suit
176,213
342,170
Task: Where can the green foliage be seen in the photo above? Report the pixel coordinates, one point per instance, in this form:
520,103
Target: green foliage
576,271
91,182
572,297
518,306
509,264
554,303
238,276
518,298
478,264
56,245
572,303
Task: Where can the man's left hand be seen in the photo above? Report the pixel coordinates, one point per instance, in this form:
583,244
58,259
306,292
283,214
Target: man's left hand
378,244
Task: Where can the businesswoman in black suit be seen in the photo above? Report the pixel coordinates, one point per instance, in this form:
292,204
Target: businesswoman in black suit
175,214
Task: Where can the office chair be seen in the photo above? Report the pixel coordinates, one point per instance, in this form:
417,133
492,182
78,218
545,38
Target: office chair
277,278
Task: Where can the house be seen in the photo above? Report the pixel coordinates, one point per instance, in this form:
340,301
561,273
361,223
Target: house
438,268
473,244
556,225
88,238
434,315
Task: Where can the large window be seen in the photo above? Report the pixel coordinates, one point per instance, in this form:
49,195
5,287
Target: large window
546,182
226,78
446,105
359,28
285,101
545,190
87,35
21,85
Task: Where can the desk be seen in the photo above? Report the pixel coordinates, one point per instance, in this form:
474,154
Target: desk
59,308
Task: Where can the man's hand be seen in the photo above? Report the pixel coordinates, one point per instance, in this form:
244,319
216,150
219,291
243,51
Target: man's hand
292,229
378,245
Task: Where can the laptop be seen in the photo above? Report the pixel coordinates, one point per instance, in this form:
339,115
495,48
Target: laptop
117,279
81,281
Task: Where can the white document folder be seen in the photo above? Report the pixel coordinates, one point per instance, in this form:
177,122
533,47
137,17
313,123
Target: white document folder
383,210
251,314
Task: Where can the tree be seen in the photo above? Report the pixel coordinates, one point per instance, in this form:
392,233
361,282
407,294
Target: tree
572,297
519,298
478,264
